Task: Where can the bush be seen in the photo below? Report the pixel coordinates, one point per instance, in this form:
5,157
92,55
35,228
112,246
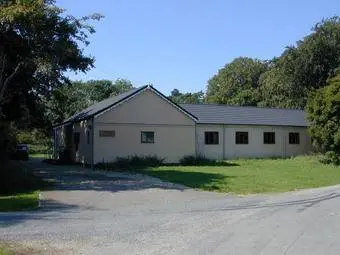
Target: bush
34,136
38,149
324,117
330,157
201,160
195,161
131,162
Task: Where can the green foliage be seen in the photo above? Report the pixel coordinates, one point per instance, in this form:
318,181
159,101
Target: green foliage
39,43
283,82
324,116
18,202
330,157
72,98
279,91
201,160
303,67
34,136
39,149
237,82
186,98
131,162
195,160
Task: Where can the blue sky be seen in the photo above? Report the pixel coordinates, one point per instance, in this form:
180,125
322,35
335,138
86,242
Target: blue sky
182,43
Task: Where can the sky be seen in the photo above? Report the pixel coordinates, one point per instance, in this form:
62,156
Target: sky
183,43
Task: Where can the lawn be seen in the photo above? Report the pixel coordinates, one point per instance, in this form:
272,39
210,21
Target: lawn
245,176
39,155
18,202
19,187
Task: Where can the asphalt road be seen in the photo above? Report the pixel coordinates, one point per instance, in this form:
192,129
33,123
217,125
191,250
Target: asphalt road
133,214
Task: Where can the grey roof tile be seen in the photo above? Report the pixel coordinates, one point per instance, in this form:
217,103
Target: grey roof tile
239,115
211,113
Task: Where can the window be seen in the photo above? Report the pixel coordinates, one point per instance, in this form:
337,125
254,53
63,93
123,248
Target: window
107,133
269,137
211,137
294,138
241,138
147,137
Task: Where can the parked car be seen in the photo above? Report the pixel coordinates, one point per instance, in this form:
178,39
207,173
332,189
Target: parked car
21,152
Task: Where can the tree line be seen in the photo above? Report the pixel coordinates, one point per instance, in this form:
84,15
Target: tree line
285,81
39,43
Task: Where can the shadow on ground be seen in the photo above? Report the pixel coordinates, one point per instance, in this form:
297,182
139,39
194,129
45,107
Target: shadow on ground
50,209
191,179
77,178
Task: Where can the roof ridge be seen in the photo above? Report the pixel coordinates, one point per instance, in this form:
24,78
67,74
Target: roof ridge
241,106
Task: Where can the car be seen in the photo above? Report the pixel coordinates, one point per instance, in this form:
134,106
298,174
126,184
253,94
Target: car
21,152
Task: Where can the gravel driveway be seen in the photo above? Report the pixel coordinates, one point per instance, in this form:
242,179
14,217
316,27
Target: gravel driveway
92,213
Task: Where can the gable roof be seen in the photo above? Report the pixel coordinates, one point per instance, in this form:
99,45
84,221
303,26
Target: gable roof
239,115
110,102
206,113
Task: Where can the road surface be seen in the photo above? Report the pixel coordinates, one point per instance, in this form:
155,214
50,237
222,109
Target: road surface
92,213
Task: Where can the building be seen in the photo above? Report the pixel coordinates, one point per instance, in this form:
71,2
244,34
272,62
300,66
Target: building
145,122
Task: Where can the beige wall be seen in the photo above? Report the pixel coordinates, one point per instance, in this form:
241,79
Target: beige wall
170,142
145,108
174,131
255,147
213,151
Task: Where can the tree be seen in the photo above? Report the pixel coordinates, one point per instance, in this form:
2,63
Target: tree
303,67
237,82
121,86
38,44
186,98
71,98
279,90
324,116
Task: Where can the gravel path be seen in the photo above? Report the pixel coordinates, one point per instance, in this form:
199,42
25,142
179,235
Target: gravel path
95,213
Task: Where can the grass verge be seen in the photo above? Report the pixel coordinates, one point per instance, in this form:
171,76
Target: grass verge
19,202
39,155
5,251
244,176
15,248
19,187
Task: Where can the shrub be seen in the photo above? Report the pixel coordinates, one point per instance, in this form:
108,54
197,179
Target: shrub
330,157
34,136
323,109
131,162
195,160
201,160
38,149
